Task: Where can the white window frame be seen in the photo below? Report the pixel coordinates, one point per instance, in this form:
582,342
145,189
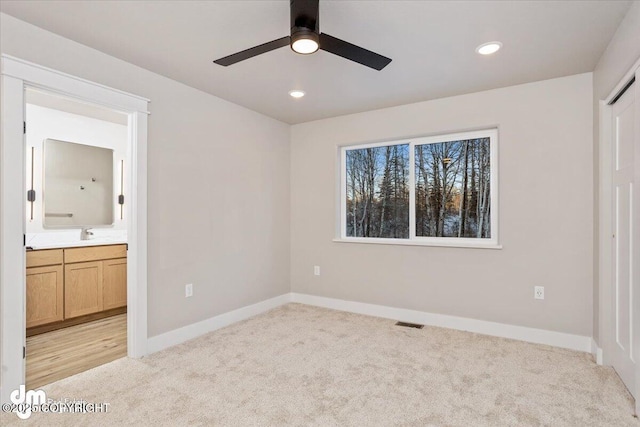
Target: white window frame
413,240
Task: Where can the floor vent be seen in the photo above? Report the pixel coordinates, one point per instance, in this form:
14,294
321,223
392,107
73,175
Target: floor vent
410,325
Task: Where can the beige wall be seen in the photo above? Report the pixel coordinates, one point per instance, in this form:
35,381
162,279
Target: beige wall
218,194
621,53
219,177
546,221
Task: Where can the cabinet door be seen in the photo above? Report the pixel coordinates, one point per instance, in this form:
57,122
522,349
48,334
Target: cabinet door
45,295
82,289
114,284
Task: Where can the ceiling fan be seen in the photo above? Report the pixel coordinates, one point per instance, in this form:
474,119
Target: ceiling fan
306,39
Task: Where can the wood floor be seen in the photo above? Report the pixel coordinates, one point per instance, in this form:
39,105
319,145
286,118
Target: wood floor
59,354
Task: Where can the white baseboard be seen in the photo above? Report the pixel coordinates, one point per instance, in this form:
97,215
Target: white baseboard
596,351
186,333
522,333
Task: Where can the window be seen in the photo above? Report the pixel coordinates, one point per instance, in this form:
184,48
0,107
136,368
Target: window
437,190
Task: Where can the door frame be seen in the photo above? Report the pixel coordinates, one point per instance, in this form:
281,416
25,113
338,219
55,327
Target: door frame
16,75
605,223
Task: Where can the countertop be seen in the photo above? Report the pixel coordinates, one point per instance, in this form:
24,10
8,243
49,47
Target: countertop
79,243
71,239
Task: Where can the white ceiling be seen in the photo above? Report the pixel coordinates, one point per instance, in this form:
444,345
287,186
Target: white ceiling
432,44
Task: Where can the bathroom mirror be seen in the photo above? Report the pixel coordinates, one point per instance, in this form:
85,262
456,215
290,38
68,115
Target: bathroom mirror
78,185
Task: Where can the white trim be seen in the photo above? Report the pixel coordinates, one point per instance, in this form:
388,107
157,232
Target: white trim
635,238
12,226
379,144
522,333
194,330
40,75
605,231
412,192
16,75
137,236
413,240
342,203
446,242
623,82
596,352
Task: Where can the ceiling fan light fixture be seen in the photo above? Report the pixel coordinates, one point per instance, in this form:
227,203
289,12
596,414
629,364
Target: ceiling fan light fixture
488,48
304,41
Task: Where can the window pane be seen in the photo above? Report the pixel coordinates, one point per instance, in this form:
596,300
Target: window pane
378,192
453,196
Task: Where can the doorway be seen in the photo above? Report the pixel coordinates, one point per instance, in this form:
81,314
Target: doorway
17,75
76,236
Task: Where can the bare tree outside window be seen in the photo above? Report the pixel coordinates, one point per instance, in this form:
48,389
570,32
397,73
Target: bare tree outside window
453,189
377,180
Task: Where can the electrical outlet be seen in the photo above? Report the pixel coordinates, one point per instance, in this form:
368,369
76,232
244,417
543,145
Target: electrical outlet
538,292
316,270
188,290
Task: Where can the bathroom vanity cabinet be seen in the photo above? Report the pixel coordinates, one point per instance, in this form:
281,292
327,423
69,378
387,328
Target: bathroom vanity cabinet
69,283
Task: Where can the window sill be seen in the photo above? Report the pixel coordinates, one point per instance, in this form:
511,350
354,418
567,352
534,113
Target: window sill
407,242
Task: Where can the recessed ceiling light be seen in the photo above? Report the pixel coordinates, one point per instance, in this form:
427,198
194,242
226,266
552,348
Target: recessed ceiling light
488,48
296,93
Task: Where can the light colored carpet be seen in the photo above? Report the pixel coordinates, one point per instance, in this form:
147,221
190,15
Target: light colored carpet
301,365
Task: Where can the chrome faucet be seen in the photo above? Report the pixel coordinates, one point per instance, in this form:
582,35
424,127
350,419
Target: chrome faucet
85,234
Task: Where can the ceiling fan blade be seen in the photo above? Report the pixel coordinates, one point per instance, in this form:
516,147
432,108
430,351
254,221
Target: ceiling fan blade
353,52
254,51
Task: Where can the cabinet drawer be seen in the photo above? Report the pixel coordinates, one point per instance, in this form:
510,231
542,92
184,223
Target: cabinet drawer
44,257
94,253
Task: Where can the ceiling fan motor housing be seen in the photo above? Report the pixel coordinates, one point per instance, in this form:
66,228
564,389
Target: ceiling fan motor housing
304,21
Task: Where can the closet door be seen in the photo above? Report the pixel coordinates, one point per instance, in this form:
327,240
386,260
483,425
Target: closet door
625,203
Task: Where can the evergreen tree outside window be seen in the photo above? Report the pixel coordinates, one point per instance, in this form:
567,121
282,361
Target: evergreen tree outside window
378,192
